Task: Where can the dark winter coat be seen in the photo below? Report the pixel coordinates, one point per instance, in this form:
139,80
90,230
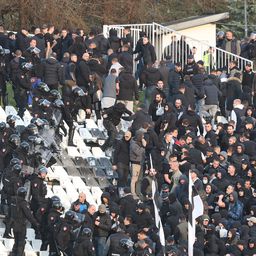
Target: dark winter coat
151,76
211,92
53,72
128,87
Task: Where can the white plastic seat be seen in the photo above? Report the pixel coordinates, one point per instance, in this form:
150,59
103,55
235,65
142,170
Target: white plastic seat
27,118
60,192
49,191
43,253
8,243
97,152
3,248
96,193
2,115
2,231
85,152
28,247
36,244
100,125
59,171
30,253
85,134
30,233
73,152
10,110
90,124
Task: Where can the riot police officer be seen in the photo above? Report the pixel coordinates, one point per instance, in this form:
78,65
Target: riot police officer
24,80
10,148
20,212
15,181
6,176
83,244
63,234
113,245
11,121
40,91
38,189
53,218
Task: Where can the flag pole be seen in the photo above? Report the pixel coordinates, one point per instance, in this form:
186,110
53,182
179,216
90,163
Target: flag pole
191,226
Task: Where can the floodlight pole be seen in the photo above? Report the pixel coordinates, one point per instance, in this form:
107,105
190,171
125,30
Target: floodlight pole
245,19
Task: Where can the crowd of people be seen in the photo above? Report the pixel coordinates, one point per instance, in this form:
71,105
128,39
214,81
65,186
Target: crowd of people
190,123
245,48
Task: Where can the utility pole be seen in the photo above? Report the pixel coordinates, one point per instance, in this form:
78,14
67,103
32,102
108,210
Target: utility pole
245,19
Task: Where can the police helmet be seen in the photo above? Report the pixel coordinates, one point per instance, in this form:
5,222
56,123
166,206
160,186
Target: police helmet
10,119
24,146
45,123
22,192
58,103
44,103
79,92
32,129
56,205
126,243
17,168
14,139
55,199
14,161
37,121
69,215
42,169
43,87
2,126
87,232
26,66
55,94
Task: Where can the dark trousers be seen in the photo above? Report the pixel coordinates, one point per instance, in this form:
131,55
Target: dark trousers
22,103
112,132
123,171
19,241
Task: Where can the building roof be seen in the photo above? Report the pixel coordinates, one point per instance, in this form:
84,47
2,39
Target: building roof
195,21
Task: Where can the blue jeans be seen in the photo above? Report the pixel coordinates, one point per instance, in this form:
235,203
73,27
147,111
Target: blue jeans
99,243
148,95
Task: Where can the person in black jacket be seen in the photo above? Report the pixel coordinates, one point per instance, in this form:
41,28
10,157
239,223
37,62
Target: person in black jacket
212,95
65,42
125,58
102,222
128,89
114,40
233,90
150,77
121,159
127,39
111,118
53,72
83,72
148,53
193,119
40,42
174,79
83,244
24,85
38,189
22,40
113,245
20,212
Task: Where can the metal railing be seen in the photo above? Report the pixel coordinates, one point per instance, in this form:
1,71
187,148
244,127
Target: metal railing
170,44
